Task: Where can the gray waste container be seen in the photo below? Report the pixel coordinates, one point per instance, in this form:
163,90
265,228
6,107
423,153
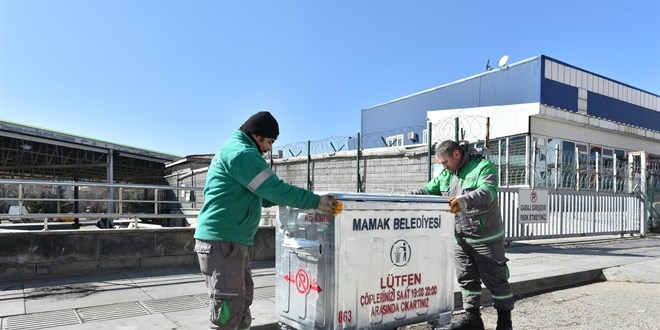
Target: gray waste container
384,262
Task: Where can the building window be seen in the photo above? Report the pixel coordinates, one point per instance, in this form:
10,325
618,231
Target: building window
394,141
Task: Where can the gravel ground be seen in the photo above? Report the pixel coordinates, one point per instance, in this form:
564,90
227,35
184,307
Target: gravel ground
603,305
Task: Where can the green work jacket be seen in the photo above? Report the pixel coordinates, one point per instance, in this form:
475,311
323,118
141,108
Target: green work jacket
476,178
239,183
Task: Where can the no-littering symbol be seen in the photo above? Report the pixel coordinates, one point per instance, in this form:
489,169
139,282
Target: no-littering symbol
302,281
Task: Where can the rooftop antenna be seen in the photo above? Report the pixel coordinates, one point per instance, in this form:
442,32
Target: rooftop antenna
488,67
502,62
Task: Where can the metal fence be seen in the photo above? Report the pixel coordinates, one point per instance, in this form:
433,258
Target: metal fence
56,201
554,164
582,180
574,214
590,192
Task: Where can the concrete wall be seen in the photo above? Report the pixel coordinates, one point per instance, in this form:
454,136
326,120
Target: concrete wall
382,170
38,254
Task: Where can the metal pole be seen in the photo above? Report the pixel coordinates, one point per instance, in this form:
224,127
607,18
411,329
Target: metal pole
577,169
429,162
631,162
557,166
499,163
642,188
357,181
507,162
487,140
456,130
111,180
309,162
597,172
121,204
528,161
155,201
614,172
533,165
20,200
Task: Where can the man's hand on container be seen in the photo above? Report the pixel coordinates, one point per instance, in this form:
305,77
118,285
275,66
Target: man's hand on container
457,203
330,205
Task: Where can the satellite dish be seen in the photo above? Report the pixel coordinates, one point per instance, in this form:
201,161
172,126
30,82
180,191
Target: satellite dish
502,62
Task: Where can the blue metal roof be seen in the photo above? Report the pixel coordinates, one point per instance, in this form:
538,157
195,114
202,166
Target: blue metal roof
525,81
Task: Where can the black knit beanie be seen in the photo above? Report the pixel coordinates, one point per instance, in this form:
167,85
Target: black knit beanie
263,124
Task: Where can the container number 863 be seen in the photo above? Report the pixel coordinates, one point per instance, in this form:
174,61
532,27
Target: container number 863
345,316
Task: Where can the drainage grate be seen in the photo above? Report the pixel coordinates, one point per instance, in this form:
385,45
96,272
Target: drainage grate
173,304
203,297
66,317
111,312
40,320
259,293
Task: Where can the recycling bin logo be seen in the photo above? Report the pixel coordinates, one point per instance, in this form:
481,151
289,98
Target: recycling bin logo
400,253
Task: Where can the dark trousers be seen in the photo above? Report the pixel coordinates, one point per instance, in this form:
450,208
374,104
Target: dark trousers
228,275
477,263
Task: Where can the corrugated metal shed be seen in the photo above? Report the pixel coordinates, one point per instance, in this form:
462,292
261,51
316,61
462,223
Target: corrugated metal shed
34,153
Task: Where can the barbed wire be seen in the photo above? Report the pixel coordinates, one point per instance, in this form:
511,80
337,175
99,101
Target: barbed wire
510,154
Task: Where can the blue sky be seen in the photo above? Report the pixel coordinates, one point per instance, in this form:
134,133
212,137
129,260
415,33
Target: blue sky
178,76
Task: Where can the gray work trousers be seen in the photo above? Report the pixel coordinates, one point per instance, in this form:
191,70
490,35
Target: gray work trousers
482,262
228,275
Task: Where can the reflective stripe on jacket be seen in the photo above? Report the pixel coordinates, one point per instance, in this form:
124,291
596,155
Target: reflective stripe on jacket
476,178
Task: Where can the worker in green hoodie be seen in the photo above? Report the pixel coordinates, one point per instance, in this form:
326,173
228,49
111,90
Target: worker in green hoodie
239,183
471,183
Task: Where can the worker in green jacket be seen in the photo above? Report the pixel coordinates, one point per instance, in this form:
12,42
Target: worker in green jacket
471,184
239,183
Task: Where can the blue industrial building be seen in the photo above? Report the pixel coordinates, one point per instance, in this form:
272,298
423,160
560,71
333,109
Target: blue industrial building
551,90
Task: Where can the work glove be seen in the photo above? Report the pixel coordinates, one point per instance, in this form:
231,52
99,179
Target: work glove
418,192
457,203
330,205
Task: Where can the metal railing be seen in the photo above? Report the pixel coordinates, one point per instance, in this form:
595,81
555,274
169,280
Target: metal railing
57,201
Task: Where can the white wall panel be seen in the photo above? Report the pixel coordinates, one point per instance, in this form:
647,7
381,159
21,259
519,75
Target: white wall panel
582,93
631,95
587,134
654,104
582,105
615,91
592,83
505,120
573,77
555,69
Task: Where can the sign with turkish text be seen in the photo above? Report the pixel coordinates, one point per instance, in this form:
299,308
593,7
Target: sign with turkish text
533,205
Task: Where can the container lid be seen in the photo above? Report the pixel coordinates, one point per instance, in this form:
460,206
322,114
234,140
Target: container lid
402,198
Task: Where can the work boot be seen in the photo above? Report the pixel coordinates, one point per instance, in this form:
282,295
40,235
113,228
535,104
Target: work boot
470,321
504,320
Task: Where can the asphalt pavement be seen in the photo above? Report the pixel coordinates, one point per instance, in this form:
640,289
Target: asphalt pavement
176,298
